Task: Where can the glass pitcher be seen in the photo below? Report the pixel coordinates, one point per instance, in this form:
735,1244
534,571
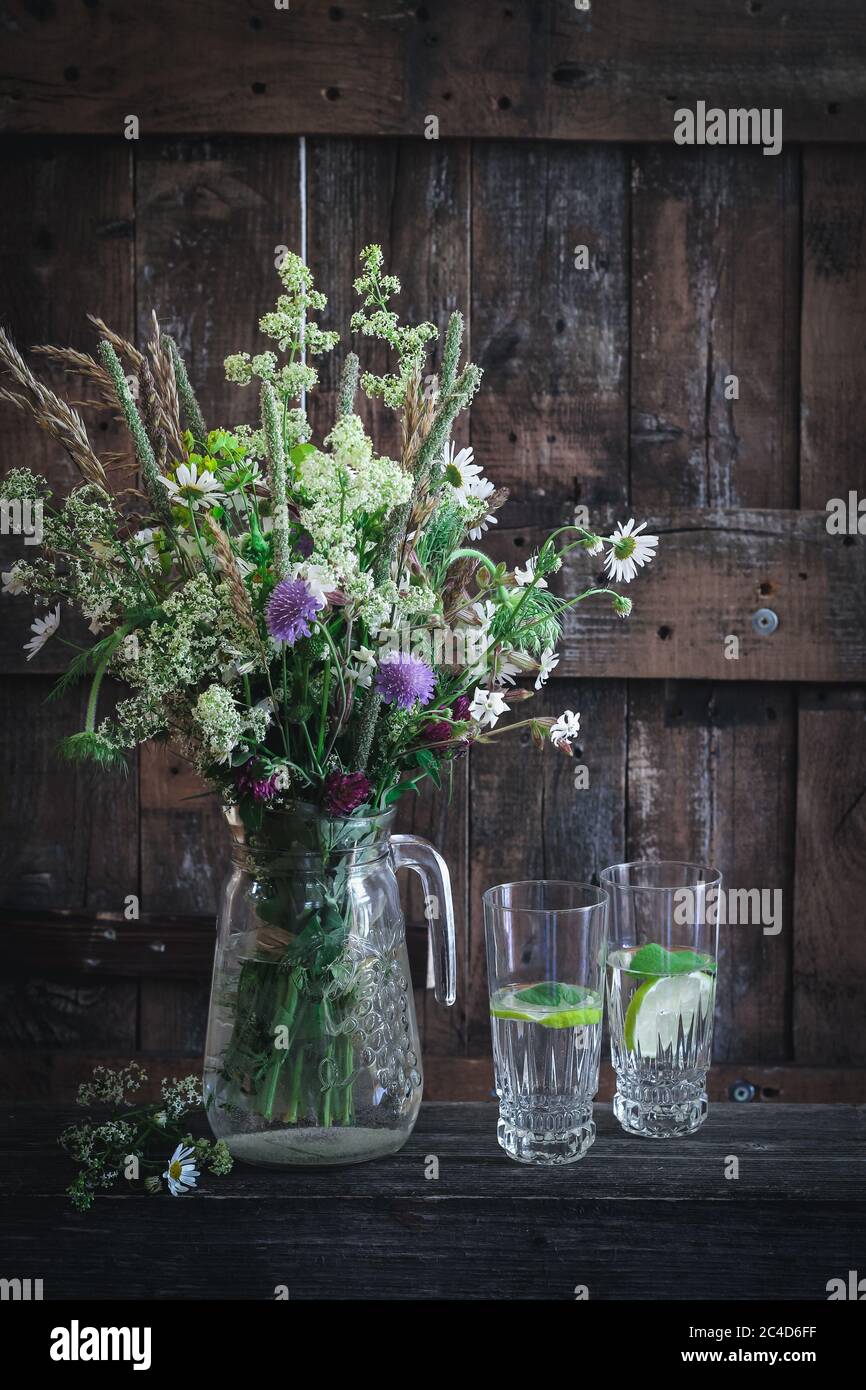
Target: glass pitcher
312,1052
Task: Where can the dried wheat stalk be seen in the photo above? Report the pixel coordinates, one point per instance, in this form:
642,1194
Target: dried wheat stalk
51,413
166,386
122,346
240,599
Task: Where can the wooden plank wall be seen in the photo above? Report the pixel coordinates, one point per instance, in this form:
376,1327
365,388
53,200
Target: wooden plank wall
603,387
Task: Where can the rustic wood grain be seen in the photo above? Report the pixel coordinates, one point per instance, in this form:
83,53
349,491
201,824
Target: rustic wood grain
363,191
62,255
833,407
711,777
68,835
550,422
211,217
829,951
712,572
617,71
715,293
794,1219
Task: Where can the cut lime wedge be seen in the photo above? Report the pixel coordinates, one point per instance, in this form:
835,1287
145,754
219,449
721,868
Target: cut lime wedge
658,1007
551,1004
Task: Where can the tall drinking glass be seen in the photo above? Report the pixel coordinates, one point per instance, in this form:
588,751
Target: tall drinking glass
546,947
661,986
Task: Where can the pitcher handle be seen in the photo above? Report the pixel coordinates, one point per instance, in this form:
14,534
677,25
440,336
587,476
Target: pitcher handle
409,852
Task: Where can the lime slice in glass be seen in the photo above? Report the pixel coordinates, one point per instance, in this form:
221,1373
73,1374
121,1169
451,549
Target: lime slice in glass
659,1006
551,1004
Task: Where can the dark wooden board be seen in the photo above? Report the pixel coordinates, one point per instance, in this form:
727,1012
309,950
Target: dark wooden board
617,71
68,834
829,915
715,294
794,1218
712,572
551,420
833,349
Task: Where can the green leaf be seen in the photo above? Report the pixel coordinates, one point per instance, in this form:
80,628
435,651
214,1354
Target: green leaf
653,959
301,452
553,995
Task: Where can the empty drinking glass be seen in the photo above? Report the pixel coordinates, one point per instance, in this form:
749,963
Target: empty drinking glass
661,992
546,945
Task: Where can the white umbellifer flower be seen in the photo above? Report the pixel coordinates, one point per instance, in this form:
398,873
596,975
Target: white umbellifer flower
11,582
479,489
180,1174
548,660
526,576
194,488
460,472
487,706
144,551
566,728
362,672
282,777
42,628
628,551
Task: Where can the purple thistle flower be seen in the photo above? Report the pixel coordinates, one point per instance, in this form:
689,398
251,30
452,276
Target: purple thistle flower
343,792
259,788
291,609
402,680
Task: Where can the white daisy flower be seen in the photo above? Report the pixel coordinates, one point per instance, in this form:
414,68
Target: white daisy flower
194,488
11,582
42,628
479,489
628,551
547,661
566,728
180,1174
595,546
362,672
487,706
460,472
524,577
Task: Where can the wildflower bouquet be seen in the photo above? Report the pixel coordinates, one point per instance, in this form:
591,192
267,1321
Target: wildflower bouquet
310,625
147,1144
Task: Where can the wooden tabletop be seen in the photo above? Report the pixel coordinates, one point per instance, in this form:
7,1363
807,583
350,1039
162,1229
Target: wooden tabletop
634,1219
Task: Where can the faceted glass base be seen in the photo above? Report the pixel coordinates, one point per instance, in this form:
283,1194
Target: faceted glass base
660,1112
543,1135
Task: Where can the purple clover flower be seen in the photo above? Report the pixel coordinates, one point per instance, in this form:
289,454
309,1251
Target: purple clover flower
438,731
344,792
259,788
460,708
291,608
402,679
